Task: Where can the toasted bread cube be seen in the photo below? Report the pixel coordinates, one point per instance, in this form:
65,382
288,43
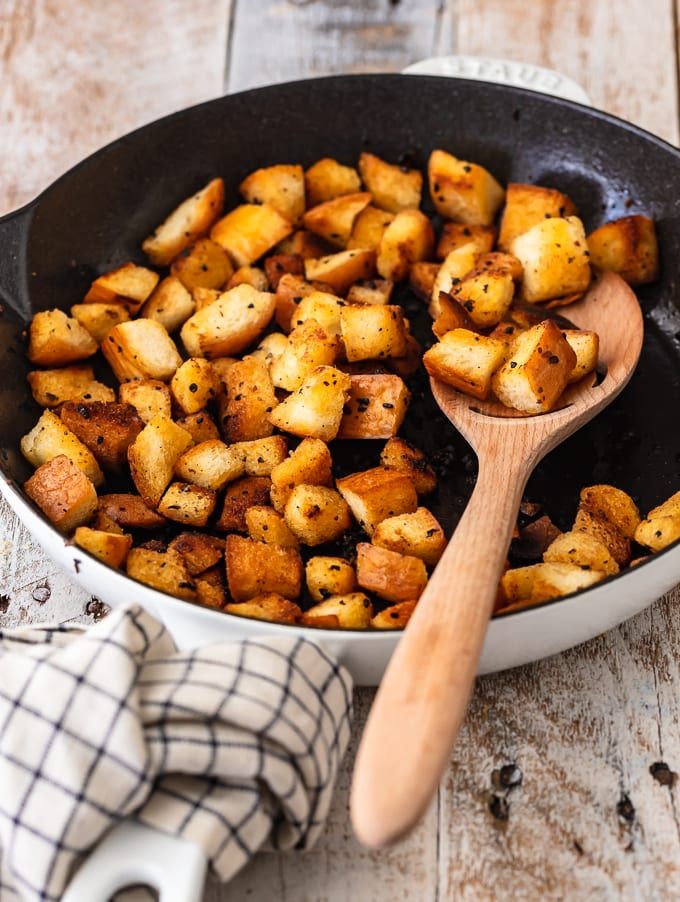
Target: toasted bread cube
255,568
421,279
141,349
418,534
249,401
457,264
249,231
128,284
462,191
583,550
56,339
627,246
289,293
589,520
149,397
277,266
465,360
455,235
352,612
251,491
190,504
376,494
375,291
393,187
669,508
496,261
328,178
109,548
162,570
315,409
586,346
264,524
193,385
211,464
328,576
104,523
408,239
280,186
517,584
537,371
316,514
372,332
200,426
204,297
51,438
220,368
309,346
554,580
271,607
486,296
453,315
249,275
398,454
129,511
228,325
657,533
309,464
211,588
107,428
527,205
263,454
153,455
339,271
63,492
395,617
99,319
50,388
270,348
554,257
185,224
200,552
392,576
301,244
369,227
322,307
204,264
376,407
333,220
616,506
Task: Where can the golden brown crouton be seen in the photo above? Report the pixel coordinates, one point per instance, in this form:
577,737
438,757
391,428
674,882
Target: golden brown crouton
193,385
289,293
309,346
340,270
333,220
271,347
582,549
255,568
281,186
162,570
495,261
527,205
316,514
251,491
408,239
277,266
554,258
185,224
198,550
398,454
347,612
421,279
452,315
588,520
457,264
149,397
248,401
369,227
51,438
615,505
370,332
315,409
272,607
110,548
128,511
395,617
627,246
63,493
541,582
141,349
456,234
186,503
376,407
373,495
200,426
50,388
327,576
327,179
485,295
462,191
321,307
228,325
211,464
465,360
153,455
669,508
418,534
128,284
56,339
204,264
99,319
586,346
392,576
309,464
264,524
211,588
657,533
394,188
262,455
374,291
249,231
248,275
108,429
302,244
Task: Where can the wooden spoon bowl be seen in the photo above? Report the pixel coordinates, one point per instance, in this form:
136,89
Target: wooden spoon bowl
422,699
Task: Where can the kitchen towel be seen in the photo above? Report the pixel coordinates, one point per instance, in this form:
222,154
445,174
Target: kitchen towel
234,746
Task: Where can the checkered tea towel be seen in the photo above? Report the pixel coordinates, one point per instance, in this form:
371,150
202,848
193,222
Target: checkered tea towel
234,746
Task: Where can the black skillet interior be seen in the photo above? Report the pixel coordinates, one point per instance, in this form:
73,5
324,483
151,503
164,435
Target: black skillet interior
95,217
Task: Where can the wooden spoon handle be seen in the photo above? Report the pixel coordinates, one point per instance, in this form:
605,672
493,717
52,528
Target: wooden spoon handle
421,702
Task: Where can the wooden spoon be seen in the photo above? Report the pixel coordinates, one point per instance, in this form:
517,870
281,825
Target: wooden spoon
421,702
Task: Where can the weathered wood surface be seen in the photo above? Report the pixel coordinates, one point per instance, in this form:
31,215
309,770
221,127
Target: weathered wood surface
577,733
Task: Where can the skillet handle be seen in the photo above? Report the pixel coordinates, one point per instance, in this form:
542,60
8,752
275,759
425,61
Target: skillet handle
506,72
13,239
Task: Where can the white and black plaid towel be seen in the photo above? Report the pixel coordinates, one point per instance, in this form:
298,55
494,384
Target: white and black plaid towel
234,746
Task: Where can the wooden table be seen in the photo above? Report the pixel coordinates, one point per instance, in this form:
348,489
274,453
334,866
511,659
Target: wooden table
549,793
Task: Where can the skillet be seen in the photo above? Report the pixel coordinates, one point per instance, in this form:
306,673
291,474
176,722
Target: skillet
94,218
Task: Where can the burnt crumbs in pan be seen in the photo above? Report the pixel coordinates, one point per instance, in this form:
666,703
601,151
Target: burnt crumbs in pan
291,341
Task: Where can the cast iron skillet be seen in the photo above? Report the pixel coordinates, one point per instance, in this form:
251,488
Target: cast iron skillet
96,215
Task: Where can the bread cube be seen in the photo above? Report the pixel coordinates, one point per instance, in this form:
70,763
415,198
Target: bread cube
315,409
392,576
185,224
190,504
55,339
251,491
200,426
220,367
277,266
200,552
590,521
162,570
456,234
302,244
370,332
141,349
465,360
255,568
340,270
537,371
527,205
203,297
289,293
128,511
669,508
211,588
149,397
50,388
104,523
369,227
553,580
453,315
457,264
627,246
485,295
398,454
316,514
106,428
322,307
495,261
395,617
271,607
264,524
211,464
107,547
281,186
227,326
554,257
99,319
328,576
657,533
262,455
249,231
249,275
421,279
309,464
462,191
394,188
63,492
586,347
204,264
193,385
309,346
376,407
376,494
271,347
249,401
418,534
610,503
327,179
349,612
333,220
51,438
408,239
153,455
128,284
583,550
507,332
374,291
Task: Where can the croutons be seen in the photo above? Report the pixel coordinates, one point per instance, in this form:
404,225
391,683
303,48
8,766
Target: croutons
185,224
153,455
408,239
485,295
107,428
375,291
247,275
193,385
128,284
255,568
452,315
189,504
627,246
227,326
302,244
211,588
249,401
280,186
327,179
249,231
99,319
264,524
421,279
350,612
527,205
262,455
251,491
582,549
309,464
334,219
200,426
376,407
615,505
50,388
393,187
586,347
309,346
272,607
542,582
55,339
199,551
466,360
455,235
369,227
340,270
657,533
315,409
316,514
376,494
322,307
328,576
395,617
399,454
128,511
277,266
554,258
141,349
590,521
392,576
370,332
271,347
457,264
669,508
418,534
63,492
51,438
462,191
149,397
110,548
162,570
537,371
289,293
204,264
